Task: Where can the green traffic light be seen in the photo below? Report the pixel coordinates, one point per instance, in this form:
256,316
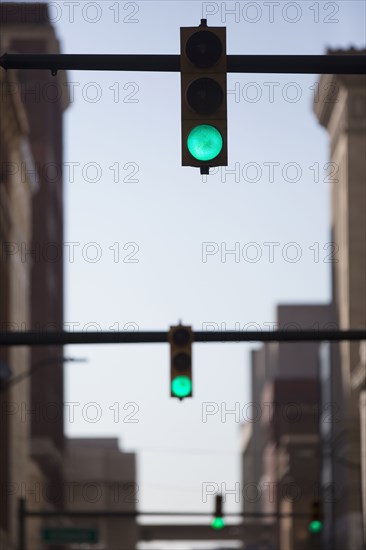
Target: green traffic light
181,386
218,523
204,142
315,526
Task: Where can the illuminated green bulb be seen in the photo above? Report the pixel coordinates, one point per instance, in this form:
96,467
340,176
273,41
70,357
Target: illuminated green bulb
181,386
315,526
204,142
218,523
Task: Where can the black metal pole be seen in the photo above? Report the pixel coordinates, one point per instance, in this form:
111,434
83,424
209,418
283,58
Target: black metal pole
161,337
22,513
34,368
87,62
117,514
301,64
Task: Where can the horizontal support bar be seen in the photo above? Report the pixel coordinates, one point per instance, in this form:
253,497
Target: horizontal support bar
87,62
119,513
161,337
297,64
301,64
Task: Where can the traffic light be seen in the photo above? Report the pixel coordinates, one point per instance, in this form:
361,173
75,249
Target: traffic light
203,96
218,521
316,519
180,338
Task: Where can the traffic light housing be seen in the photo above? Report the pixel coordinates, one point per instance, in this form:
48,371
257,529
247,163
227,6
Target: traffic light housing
316,519
218,521
203,96
180,338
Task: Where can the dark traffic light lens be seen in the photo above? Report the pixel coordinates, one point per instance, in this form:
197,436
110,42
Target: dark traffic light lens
181,337
204,49
182,361
205,96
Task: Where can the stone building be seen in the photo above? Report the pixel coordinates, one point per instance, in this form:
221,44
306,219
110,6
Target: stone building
16,195
341,109
27,29
32,277
37,462
101,477
332,454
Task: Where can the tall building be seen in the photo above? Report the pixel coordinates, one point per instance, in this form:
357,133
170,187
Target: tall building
282,447
341,108
16,195
32,198
26,29
37,462
101,477
328,454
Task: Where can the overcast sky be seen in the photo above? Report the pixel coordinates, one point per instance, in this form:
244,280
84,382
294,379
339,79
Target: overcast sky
149,219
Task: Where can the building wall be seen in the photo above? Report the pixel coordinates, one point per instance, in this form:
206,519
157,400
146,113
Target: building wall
286,442
344,116
15,229
26,29
101,477
341,109
33,284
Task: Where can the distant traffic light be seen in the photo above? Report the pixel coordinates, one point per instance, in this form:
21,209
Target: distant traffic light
218,521
180,338
316,519
203,96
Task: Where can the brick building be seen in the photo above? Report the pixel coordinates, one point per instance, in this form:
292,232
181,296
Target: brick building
282,448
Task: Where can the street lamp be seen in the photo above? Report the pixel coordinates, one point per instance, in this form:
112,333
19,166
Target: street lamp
36,366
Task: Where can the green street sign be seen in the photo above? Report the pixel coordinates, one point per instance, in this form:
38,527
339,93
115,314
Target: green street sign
70,535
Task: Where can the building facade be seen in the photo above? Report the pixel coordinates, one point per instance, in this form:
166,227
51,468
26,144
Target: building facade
16,195
341,109
101,477
282,448
328,378
37,462
27,29
32,268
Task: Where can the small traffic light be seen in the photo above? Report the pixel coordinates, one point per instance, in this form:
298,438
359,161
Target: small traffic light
203,96
218,521
316,519
180,338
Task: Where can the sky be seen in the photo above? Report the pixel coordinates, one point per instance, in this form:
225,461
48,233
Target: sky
152,239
